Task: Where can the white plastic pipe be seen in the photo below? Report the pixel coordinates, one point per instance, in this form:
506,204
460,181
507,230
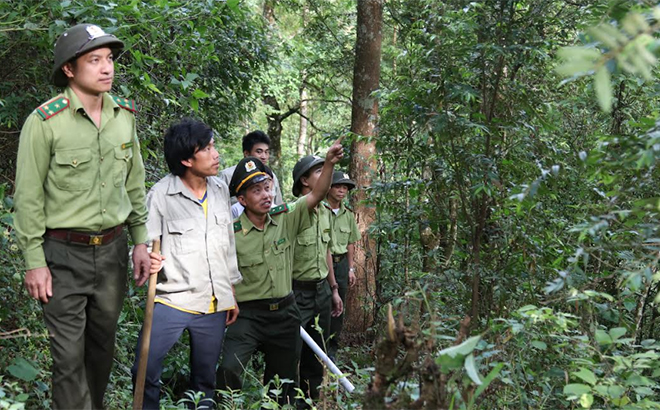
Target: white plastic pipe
348,386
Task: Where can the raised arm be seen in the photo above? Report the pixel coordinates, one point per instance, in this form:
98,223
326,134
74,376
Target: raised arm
334,155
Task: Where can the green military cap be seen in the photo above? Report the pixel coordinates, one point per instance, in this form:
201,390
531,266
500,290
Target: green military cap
77,41
339,177
303,165
249,171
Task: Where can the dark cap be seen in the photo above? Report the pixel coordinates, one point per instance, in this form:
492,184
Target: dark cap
77,41
249,171
339,177
303,165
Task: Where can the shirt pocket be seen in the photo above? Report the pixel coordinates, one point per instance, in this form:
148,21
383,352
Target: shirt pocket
280,256
343,235
183,235
305,248
123,156
73,170
249,266
221,232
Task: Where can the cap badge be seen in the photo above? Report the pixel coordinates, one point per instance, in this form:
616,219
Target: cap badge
94,32
250,166
346,176
317,157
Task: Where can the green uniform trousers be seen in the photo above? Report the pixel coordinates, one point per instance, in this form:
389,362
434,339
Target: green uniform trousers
276,334
312,303
89,284
337,323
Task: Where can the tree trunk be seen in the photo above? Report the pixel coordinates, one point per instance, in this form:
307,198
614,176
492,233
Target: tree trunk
274,131
366,77
302,131
268,11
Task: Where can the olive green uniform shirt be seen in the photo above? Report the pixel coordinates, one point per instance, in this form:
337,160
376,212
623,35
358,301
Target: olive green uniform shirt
344,230
265,256
310,262
73,175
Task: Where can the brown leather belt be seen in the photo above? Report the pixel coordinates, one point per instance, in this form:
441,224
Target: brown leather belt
338,258
306,284
86,238
268,304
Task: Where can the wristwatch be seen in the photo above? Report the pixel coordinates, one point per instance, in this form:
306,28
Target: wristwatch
335,286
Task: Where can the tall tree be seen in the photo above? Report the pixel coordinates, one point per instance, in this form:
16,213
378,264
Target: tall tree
364,116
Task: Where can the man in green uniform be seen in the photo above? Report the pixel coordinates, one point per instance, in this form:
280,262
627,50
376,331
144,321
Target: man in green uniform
269,320
313,279
344,235
79,181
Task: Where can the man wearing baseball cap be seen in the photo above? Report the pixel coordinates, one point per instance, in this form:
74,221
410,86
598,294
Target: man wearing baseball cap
269,320
79,182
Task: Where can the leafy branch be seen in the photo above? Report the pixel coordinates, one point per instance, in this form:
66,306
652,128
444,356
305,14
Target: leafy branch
630,48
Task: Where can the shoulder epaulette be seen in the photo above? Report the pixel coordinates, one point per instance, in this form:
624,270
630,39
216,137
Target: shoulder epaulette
53,107
348,206
279,209
125,103
327,205
237,226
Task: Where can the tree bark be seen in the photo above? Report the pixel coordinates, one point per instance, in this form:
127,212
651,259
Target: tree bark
363,166
274,131
302,130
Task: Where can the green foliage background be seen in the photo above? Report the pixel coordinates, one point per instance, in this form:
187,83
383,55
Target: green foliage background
512,186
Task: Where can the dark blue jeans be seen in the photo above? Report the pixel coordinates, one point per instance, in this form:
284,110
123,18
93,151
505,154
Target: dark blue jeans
206,335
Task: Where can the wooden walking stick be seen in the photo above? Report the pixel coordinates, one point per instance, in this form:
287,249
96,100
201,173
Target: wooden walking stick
138,395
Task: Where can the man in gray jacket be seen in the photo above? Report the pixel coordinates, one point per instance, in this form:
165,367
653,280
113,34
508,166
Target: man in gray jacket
255,144
189,213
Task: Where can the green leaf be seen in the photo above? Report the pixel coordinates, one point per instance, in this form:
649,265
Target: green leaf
539,344
644,391
199,94
586,400
602,337
586,375
578,53
574,67
463,349
233,5
576,389
603,87
617,332
153,88
452,357
448,363
639,380
614,391
471,370
22,369
486,382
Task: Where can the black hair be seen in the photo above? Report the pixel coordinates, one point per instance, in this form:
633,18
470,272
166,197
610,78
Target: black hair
255,137
182,140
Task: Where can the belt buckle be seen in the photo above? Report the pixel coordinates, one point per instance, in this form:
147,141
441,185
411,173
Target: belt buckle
274,306
96,240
